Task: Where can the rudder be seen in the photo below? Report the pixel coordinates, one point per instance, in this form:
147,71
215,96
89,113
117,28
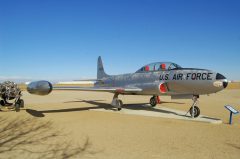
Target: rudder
100,70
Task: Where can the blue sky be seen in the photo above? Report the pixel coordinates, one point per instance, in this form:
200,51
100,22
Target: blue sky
48,39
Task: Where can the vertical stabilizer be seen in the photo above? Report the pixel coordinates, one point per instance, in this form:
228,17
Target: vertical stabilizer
100,70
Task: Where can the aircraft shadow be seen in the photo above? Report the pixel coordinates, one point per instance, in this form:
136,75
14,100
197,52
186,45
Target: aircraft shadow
234,145
162,102
84,101
99,105
144,106
206,117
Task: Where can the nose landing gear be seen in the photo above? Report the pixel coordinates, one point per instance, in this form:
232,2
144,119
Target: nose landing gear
194,110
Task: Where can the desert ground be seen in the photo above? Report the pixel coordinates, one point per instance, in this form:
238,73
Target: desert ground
114,135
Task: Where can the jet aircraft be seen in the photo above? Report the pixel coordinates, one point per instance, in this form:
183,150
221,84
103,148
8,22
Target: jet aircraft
155,79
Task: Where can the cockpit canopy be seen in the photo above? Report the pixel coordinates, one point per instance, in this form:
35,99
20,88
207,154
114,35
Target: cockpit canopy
159,66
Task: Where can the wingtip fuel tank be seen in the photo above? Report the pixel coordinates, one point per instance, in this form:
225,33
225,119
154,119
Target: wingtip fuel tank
40,87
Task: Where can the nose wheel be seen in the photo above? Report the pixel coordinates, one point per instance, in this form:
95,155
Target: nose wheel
194,110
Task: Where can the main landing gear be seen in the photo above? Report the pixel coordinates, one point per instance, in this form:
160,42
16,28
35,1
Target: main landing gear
155,100
194,110
117,102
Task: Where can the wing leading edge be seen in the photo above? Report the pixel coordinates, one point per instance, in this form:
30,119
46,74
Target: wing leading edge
45,87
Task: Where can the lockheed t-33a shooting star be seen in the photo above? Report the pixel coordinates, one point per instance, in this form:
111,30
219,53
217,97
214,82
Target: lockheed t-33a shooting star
155,79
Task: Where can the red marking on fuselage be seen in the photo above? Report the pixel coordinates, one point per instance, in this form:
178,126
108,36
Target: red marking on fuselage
162,88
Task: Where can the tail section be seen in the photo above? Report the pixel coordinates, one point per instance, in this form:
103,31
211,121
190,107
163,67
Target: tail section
100,70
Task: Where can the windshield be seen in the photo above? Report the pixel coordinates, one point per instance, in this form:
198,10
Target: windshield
174,66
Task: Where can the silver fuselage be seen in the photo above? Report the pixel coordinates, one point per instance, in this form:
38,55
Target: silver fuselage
184,81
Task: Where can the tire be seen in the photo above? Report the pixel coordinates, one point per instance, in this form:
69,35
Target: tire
17,107
153,101
196,111
2,103
120,103
21,102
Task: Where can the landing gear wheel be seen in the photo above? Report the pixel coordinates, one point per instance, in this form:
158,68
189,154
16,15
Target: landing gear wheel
117,103
2,103
120,103
153,101
196,111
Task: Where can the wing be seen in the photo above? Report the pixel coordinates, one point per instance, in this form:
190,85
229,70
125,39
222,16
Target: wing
101,89
45,87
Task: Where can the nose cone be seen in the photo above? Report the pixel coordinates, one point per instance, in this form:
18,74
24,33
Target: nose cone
225,84
39,88
222,78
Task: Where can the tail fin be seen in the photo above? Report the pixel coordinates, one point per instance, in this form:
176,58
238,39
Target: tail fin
100,70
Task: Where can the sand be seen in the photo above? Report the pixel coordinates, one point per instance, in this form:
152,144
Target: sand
113,135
